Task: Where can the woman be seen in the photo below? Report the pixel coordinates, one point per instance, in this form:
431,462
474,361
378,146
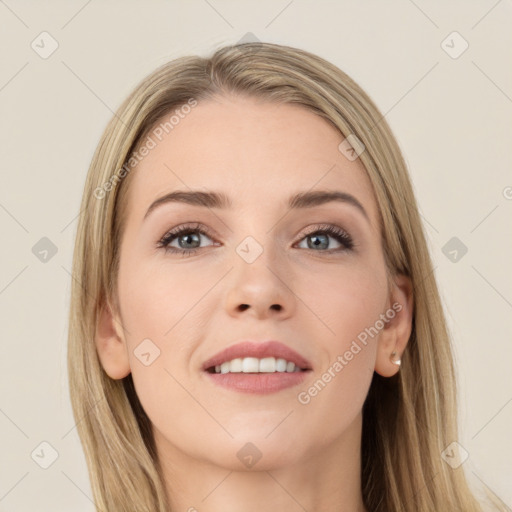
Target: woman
255,323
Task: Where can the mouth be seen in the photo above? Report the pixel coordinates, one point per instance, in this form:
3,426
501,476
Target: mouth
253,367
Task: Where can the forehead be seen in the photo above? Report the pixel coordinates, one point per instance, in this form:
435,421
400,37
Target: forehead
251,150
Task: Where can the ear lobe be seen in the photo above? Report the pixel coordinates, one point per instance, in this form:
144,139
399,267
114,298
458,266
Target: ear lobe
396,333
110,345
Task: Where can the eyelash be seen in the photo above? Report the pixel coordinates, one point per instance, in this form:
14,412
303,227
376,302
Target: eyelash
338,234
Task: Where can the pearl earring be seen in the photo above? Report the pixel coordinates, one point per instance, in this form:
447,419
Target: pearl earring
393,360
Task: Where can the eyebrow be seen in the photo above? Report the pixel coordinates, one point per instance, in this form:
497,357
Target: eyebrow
220,200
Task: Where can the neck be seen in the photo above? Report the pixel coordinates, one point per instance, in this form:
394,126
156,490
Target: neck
328,479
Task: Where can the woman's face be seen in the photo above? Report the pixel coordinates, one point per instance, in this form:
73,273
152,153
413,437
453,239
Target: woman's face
263,271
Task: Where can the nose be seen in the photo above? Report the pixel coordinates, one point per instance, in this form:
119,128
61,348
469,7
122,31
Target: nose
261,289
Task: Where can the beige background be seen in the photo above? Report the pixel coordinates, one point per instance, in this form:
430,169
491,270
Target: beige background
452,118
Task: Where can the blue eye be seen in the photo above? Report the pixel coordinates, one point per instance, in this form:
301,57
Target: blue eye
320,238
189,239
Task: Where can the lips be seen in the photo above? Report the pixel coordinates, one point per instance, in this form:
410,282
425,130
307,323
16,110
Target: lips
259,350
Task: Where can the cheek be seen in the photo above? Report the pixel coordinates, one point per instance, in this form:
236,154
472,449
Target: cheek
347,304
157,298
163,319
343,299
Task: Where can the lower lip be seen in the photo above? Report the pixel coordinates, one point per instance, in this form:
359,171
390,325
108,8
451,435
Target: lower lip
259,383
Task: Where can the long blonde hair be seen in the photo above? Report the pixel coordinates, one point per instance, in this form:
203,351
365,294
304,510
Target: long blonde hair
408,420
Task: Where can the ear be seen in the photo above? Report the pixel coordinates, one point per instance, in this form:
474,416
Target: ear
397,331
111,344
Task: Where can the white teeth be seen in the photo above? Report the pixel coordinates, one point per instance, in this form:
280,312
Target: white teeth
236,365
250,364
255,365
268,365
281,365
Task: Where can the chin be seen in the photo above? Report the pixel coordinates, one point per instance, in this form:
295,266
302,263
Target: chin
254,452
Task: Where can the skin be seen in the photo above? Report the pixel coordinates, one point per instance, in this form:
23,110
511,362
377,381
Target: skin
189,308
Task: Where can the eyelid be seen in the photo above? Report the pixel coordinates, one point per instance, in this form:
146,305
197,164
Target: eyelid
198,226
323,226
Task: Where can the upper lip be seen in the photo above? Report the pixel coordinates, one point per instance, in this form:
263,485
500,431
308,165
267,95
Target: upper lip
260,350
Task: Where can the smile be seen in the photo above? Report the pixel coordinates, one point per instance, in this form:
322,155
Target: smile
255,365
